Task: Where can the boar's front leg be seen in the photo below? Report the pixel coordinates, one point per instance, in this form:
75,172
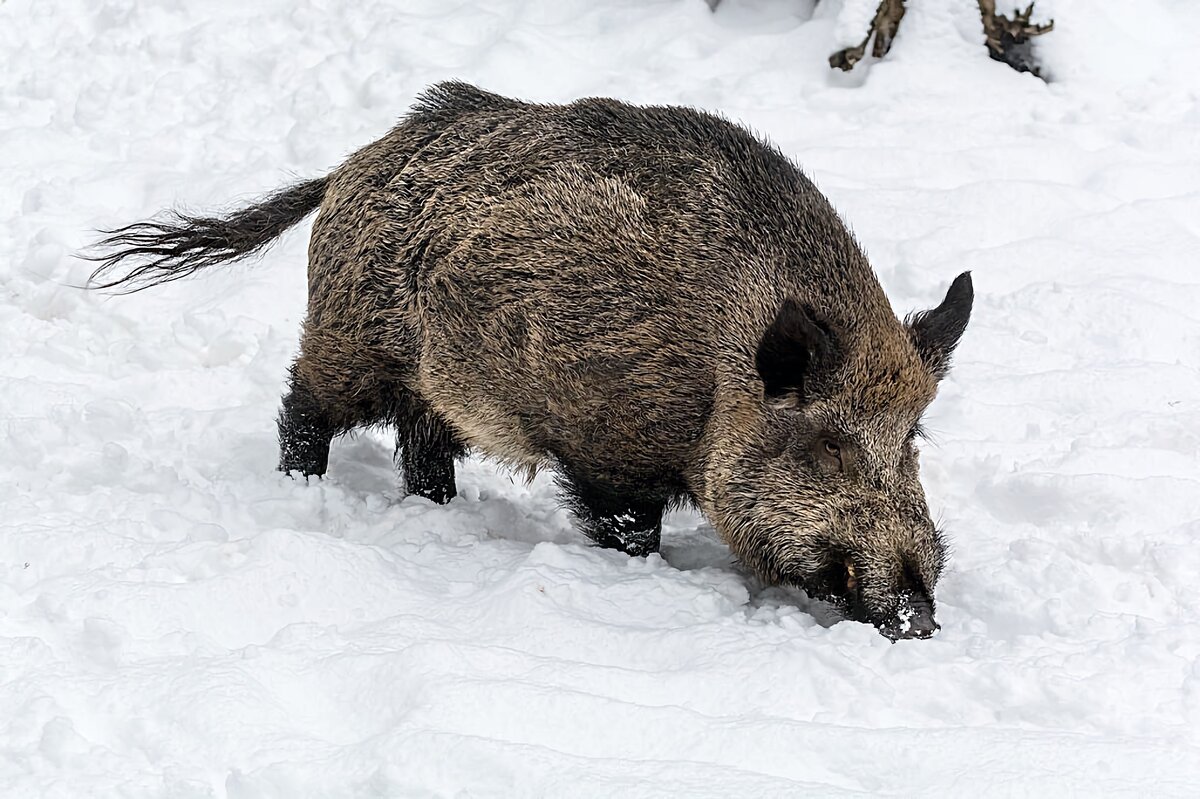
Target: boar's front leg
628,519
426,451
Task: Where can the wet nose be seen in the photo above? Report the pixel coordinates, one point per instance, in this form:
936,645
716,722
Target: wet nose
915,620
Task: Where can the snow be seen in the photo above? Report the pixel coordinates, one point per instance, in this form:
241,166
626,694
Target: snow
177,619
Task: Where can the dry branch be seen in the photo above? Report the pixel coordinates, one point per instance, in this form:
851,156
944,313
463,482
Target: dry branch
883,28
1009,40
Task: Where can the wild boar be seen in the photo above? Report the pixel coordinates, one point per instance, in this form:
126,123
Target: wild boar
650,301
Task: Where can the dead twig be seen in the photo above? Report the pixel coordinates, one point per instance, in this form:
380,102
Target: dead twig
883,28
1009,39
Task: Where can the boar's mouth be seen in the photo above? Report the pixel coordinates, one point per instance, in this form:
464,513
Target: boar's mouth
911,617
908,614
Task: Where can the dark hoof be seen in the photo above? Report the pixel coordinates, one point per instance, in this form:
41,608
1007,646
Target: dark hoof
439,494
296,473
637,544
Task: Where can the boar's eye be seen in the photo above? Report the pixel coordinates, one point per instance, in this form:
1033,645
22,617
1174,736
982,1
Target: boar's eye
829,455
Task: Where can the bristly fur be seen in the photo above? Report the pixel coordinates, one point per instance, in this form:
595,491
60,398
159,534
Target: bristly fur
649,300
177,245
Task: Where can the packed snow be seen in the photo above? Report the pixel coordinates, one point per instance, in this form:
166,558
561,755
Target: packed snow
178,619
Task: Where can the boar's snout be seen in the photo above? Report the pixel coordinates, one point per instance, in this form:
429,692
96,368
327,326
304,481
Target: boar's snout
913,619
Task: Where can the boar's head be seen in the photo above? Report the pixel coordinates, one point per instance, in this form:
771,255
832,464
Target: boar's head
825,494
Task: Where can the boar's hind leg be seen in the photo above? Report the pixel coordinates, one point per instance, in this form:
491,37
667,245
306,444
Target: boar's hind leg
305,431
425,451
628,520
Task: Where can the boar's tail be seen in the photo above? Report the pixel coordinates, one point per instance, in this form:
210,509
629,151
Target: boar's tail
146,254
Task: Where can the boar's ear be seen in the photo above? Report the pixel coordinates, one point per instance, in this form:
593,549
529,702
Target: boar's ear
935,333
796,350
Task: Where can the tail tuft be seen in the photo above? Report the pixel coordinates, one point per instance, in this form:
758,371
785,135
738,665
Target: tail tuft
158,251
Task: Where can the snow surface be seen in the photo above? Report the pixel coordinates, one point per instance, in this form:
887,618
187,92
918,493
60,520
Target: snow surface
176,619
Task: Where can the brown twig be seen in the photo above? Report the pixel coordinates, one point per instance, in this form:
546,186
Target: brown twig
1008,40
883,28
